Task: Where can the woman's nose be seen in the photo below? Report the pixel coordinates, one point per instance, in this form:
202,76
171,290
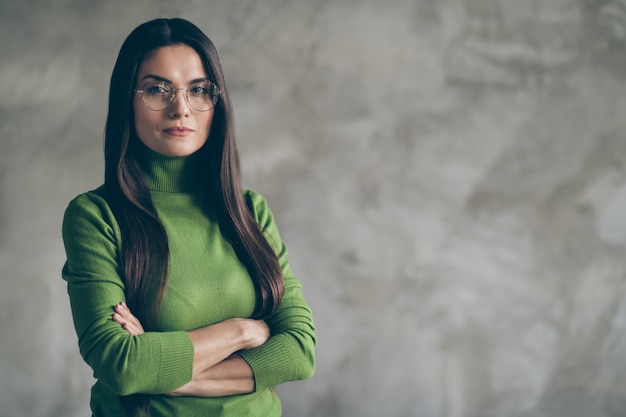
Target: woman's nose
179,106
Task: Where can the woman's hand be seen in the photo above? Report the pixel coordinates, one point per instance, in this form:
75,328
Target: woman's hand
127,320
255,332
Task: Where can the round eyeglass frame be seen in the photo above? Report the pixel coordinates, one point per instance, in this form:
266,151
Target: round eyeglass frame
173,91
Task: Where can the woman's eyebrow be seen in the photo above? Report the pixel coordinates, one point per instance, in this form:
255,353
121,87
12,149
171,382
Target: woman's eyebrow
159,78
156,77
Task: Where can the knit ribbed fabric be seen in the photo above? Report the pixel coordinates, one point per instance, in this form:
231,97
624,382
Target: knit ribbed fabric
207,284
170,174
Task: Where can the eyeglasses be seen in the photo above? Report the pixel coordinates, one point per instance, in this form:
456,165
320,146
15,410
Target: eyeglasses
159,95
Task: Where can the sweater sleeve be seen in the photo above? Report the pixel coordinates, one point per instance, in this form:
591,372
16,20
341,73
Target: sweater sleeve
289,354
150,363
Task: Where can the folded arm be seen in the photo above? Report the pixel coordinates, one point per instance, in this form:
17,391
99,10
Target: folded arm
230,376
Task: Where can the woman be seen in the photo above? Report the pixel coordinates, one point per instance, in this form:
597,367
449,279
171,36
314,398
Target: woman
172,244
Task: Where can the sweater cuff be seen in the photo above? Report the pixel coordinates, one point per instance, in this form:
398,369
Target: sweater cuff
176,360
270,363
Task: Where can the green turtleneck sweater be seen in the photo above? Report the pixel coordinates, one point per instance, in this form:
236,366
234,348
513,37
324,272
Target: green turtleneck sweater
207,284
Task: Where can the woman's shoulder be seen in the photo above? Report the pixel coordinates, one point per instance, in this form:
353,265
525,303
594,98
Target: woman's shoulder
89,204
88,223
89,199
251,195
255,201
260,210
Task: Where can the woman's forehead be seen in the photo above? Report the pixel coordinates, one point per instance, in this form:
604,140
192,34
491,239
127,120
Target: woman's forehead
175,63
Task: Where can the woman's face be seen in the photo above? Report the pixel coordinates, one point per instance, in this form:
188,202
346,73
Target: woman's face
179,130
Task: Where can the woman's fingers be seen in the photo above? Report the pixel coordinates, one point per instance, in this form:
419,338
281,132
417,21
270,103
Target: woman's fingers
127,320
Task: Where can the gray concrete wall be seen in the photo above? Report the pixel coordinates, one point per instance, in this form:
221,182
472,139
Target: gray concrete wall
449,175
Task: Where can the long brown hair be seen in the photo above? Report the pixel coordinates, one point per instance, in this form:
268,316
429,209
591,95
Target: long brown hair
145,251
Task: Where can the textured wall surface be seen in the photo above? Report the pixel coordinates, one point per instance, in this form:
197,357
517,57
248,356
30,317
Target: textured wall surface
449,175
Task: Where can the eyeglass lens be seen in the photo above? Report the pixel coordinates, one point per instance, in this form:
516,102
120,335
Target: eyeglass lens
159,95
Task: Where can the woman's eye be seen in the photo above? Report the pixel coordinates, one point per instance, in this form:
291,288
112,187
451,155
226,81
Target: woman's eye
156,89
198,90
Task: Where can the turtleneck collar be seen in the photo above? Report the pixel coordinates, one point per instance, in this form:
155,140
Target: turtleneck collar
170,174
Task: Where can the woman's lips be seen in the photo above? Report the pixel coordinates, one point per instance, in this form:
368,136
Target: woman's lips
178,131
